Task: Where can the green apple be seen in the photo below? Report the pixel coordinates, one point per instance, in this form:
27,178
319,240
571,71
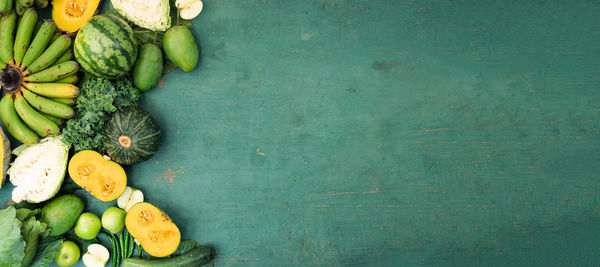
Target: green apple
68,255
88,226
113,219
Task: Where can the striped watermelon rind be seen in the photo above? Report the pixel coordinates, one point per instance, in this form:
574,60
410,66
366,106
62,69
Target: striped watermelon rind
105,47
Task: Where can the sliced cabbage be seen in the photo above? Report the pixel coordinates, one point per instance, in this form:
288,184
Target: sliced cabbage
149,14
39,170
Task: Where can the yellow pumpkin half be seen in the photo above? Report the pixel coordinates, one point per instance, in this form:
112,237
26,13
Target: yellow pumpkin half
157,233
70,15
4,156
104,179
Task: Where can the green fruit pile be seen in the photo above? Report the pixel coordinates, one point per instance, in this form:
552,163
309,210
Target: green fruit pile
37,76
106,48
180,48
6,6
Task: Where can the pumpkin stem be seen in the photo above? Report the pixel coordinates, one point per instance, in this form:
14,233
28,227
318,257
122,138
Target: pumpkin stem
125,141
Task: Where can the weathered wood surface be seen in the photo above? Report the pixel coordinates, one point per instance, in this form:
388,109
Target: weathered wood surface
385,133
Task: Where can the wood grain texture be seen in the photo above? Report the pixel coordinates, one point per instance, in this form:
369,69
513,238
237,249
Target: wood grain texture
384,133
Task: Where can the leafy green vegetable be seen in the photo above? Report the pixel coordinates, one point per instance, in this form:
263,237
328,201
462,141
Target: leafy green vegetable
31,231
20,234
185,246
12,246
168,66
47,252
68,187
23,213
25,205
99,97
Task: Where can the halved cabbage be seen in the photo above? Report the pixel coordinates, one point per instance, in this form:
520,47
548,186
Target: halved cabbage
39,170
150,14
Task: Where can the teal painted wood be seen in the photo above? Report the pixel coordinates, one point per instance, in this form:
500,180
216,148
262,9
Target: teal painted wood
384,133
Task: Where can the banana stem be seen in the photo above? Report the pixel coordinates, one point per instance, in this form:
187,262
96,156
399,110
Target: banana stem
11,79
3,78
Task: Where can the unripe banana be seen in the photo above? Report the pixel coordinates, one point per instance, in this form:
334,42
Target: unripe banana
48,106
36,121
66,101
24,33
41,3
38,25
57,33
26,3
53,52
65,57
53,73
69,79
39,43
5,7
13,123
56,120
7,29
20,9
53,90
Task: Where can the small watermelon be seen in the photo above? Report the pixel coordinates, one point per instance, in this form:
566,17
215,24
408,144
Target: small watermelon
105,47
131,136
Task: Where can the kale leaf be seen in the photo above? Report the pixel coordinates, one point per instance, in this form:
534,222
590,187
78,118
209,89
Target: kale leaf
99,98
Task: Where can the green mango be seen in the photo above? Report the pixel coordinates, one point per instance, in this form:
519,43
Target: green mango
61,213
148,67
181,48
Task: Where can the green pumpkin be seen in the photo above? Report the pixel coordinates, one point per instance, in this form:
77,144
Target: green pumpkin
131,136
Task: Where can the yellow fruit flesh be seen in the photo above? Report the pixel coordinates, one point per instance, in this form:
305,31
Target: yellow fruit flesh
70,15
104,179
157,233
4,155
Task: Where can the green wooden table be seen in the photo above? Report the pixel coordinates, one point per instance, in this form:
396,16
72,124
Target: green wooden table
384,133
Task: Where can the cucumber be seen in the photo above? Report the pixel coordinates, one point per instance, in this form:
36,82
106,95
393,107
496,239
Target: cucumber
196,257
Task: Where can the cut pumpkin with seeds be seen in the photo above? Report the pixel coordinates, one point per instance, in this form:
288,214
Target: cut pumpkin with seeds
155,230
104,179
70,15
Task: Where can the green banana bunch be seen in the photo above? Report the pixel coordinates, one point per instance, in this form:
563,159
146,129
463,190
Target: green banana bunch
5,7
37,73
